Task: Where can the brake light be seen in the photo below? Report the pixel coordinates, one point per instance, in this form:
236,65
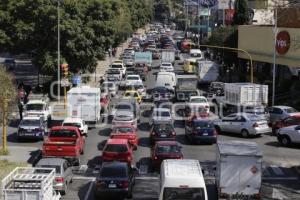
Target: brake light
255,125
100,183
153,133
124,184
173,133
59,180
206,106
155,158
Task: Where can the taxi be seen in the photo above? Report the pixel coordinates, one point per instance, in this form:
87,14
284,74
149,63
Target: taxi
133,93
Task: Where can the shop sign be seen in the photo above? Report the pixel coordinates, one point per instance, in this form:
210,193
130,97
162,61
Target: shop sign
283,42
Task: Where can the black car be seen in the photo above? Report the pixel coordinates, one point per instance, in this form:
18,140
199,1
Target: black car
162,132
115,179
200,131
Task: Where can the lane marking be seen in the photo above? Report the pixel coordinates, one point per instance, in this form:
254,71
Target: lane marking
83,178
89,190
277,170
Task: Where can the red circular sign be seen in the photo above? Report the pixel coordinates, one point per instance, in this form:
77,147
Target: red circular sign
283,42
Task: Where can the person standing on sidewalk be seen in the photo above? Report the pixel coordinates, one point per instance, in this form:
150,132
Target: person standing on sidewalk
21,100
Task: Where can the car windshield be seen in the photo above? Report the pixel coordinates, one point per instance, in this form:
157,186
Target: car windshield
203,124
167,149
123,107
116,66
30,122
56,167
113,72
123,130
34,107
163,114
183,193
131,94
166,64
195,55
78,125
163,128
290,110
121,148
108,85
198,100
133,78
63,133
112,172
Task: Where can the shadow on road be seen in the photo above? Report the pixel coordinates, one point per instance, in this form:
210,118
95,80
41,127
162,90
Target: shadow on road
14,123
13,138
96,161
182,139
35,156
144,142
144,127
101,145
105,132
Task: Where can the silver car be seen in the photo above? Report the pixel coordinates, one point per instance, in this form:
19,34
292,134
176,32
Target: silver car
161,115
63,172
243,123
111,86
278,113
124,117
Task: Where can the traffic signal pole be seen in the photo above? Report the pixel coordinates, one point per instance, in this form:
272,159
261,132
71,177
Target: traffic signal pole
65,71
4,125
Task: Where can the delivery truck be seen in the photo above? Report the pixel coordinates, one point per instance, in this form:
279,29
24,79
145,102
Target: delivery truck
238,170
84,103
207,71
168,55
26,183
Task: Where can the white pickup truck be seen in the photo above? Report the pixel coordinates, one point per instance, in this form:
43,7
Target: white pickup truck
77,122
38,107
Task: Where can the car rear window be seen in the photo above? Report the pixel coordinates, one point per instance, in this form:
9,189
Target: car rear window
183,193
163,114
27,122
198,100
34,107
167,149
116,148
290,110
163,128
63,133
56,167
110,172
123,130
203,124
78,125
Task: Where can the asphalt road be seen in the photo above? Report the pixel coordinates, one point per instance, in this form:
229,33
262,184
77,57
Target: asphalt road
280,180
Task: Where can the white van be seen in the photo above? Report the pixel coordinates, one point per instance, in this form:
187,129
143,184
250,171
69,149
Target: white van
182,179
166,79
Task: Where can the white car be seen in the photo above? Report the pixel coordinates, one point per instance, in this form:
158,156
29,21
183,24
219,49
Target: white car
111,86
199,101
138,86
124,117
119,65
132,78
161,115
244,124
166,67
281,112
38,108
289,135
77,122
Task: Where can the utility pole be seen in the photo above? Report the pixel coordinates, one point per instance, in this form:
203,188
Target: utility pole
198,20
4,125
58,51
274,58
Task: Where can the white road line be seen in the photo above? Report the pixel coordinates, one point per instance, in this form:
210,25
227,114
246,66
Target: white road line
83,178
89,190
277,170
146,178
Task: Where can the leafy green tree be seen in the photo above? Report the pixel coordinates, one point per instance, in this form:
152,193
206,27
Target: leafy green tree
241,15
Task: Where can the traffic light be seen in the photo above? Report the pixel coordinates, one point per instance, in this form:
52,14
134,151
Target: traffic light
64,69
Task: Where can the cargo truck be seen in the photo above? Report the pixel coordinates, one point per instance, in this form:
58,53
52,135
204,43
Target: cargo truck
238,170
168,55
207,71
29,183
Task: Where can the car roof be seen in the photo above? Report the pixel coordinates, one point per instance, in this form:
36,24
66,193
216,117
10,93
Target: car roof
51,161
133,75
124,112
131,91
161,109
281,107
117,141
31,118
123,126
71,119
36,101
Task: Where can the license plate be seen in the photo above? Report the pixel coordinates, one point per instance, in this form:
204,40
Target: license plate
112,185
163,135
205,134
29,130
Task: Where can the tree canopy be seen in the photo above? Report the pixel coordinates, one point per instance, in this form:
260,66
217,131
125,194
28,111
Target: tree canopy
241,15
87,28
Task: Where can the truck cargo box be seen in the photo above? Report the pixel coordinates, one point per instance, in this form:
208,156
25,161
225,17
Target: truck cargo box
239,168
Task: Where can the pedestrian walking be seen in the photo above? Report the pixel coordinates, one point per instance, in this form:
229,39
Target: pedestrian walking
21,100
114,52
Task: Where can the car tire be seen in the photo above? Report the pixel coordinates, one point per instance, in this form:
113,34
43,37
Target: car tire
285,141
64,192
245,133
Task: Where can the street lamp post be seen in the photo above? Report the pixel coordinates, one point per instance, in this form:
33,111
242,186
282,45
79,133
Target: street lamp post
274,58
58,51
198,21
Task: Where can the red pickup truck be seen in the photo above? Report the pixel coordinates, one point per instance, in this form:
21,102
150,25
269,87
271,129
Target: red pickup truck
64,142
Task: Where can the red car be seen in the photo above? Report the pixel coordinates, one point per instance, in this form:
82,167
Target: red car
64,142
165,150
126,132
117,150
289,121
